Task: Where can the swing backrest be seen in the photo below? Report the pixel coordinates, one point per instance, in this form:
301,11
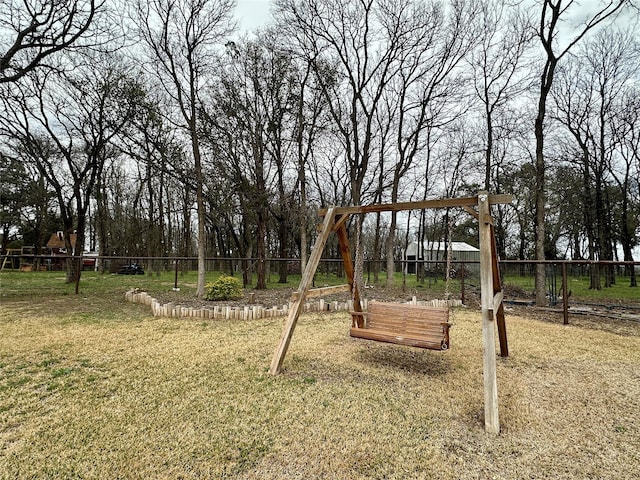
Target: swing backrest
405,324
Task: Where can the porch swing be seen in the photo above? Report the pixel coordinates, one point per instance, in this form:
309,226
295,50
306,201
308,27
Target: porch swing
420,326
492,309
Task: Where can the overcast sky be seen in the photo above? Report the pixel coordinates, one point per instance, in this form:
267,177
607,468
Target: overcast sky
255,13
252,13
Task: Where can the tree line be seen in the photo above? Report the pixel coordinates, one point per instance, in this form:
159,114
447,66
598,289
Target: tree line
154,129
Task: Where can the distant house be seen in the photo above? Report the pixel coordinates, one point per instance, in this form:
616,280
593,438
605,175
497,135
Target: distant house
437,251
56,246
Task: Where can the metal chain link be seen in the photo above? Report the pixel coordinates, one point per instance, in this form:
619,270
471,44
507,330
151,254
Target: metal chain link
447,290
358,271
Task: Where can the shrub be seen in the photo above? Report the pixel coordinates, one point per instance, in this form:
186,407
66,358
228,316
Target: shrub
224,288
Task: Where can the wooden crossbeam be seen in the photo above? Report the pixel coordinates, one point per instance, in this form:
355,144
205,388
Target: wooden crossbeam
420,205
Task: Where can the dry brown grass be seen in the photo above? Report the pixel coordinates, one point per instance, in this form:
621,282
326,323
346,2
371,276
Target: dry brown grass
98,391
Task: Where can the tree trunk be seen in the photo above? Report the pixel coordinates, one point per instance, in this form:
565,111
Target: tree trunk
540,178
376,251
390,243
303,218
201,215
488,151
626,237
283,251
540,189
261,252
70,264
592,250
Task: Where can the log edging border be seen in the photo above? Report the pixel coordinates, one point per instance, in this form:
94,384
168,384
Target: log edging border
252,312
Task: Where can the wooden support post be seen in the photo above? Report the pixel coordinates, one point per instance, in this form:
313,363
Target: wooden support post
491,417
305,285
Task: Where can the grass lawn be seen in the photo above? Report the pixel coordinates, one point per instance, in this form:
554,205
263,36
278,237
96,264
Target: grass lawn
94,387
619,293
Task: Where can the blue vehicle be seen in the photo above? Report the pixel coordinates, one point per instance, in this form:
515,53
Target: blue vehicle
131,269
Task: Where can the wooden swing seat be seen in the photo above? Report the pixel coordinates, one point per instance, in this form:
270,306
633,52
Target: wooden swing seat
404,324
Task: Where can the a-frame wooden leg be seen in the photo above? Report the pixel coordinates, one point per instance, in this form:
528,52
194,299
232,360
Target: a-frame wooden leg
305,285
349,271
497,295
491,417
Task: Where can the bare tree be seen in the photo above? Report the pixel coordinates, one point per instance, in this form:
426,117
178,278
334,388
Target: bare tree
589,89
245,126
552,13
353,38
65,125
425,87
181,36
309,125
374,50
497,62
280,95
161,166
34,30
626,130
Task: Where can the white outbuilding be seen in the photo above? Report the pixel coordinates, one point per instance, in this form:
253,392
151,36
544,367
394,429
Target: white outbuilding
437,251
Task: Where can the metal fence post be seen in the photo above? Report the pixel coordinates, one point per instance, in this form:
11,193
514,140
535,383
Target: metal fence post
462,283
175,281
565,294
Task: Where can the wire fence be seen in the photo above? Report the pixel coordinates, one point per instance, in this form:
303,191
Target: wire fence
606,284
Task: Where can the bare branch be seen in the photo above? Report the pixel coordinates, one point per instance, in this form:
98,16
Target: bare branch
34,30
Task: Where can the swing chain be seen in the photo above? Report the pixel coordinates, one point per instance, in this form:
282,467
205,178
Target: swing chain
447,292
358,272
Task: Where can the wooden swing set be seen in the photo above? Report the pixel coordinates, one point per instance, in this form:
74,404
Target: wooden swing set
412,325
